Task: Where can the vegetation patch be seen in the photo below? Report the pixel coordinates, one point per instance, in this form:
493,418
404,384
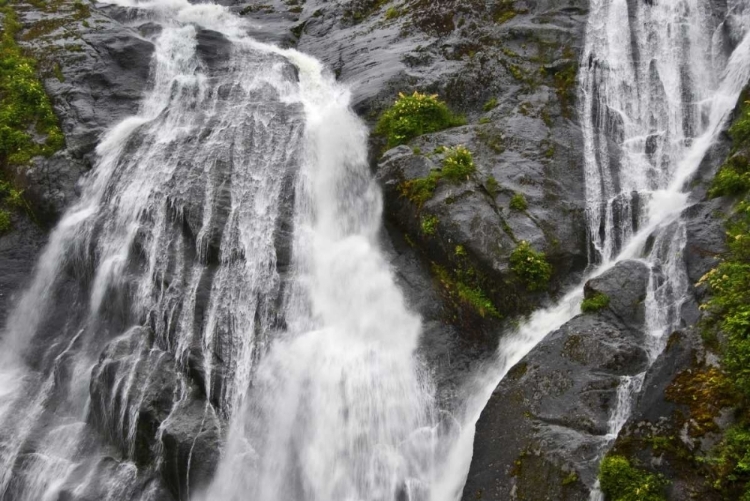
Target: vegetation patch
463,287
620,481
414,115
530,266
518,202
25,109
429,225
490,105
458,165
492,186
598,301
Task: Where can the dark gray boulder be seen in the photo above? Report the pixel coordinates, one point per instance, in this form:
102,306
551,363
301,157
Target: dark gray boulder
625,286
543,429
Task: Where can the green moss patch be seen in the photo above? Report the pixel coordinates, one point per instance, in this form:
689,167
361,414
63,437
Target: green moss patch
458,166
598,301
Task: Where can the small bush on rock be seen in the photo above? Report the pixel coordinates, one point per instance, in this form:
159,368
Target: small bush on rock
412,116
531,267
595,303
620,481
458,164
518,202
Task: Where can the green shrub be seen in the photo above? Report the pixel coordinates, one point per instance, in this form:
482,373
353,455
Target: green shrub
24,105
429,225
733,178
458,164
622,482
490,105
412,116
518,202
530,266
597,302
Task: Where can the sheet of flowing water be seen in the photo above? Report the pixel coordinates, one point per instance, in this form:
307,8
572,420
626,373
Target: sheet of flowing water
656,87
339,408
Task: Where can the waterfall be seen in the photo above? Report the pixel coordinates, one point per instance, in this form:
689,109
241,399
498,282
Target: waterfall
227,234
657,83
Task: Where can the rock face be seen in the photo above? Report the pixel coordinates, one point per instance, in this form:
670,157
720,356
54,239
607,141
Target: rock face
544,426
145,406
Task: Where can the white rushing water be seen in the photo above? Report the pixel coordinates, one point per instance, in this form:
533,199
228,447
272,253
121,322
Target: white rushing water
339,408
657,84
312,362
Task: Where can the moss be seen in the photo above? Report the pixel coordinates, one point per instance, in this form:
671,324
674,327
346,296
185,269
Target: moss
570,479
530,266
565,88
429,225
485,120
414,115
620,481
490,105
5,223
518,202
420,190
492,186
392,13
492,138
705,391
598,301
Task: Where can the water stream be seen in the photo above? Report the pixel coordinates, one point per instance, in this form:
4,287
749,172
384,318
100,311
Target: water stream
228,235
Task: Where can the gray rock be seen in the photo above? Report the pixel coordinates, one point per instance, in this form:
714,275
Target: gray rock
542,430
625,285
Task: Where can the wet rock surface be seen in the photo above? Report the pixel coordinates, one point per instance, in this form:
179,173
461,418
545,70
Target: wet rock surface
542,430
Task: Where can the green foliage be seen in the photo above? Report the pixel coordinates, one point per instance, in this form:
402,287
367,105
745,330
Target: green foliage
429,225
518,202
565,87
492,186
4,221
24,105
570,479
740,129
412,116
530,266
420,190
729,304
458,164
620,481
733,178
597,302
392,13
465,288
485,120
491,104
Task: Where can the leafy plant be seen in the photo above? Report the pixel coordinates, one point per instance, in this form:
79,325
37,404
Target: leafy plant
492,186
4,220
530,266
620,481
518,202
414,115
458,164
24,105
598,301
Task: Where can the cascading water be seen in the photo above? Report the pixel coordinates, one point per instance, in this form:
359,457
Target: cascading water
177,260
658,81
184,230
